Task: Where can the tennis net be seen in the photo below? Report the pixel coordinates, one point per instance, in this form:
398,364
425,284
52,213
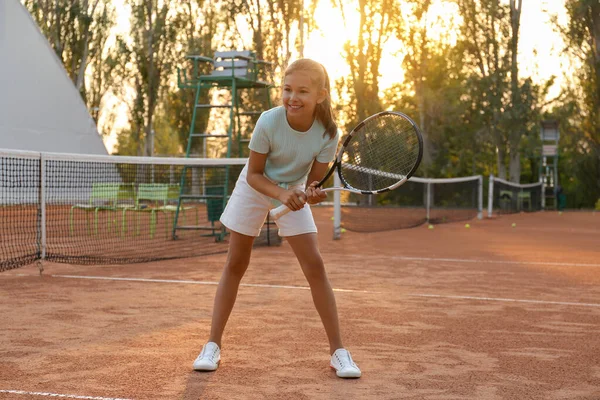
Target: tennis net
509,197
84,209
418,201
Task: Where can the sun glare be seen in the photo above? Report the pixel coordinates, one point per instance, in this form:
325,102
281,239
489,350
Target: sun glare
539,50
326,44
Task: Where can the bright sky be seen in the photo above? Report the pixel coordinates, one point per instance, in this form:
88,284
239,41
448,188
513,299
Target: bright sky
539,44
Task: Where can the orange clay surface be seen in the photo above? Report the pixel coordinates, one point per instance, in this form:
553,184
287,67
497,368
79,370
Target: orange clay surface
488,312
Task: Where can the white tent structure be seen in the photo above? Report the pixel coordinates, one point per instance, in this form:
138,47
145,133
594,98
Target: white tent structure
40,108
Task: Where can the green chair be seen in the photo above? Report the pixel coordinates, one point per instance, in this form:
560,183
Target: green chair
104,197
214,207
505,199
523,197
158,195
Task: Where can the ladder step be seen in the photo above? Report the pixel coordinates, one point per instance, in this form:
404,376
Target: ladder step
250,112
208,135
213,106
245,140
196,228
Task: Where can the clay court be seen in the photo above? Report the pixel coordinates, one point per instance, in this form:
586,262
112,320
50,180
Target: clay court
488,312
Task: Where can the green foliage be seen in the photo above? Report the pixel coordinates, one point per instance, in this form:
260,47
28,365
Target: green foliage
478,115
379,20
78,31
577,109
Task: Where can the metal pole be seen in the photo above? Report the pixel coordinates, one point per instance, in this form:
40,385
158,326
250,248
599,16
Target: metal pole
480,198
337,208
42,213
543,194
428,201
491,196
204,155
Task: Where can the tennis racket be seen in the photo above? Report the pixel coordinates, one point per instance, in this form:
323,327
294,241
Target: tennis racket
379,155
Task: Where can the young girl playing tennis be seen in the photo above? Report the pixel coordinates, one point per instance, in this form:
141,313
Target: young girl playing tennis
291,145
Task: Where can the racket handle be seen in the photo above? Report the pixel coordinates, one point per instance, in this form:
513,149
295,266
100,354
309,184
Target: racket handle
279,212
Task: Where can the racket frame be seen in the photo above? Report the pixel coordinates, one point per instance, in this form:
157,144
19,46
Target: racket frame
276,212
338,159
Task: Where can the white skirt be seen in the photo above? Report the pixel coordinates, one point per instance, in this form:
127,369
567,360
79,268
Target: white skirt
247,210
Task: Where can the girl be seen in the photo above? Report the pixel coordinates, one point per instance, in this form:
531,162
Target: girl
291,145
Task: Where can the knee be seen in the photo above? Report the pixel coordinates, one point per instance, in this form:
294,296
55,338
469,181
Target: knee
314,270
236,267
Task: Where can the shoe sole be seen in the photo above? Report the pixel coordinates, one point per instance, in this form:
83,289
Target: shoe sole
345,377
207,369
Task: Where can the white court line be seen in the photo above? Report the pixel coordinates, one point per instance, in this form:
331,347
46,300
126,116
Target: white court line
466,260
68,396
562,303
457,260
108,278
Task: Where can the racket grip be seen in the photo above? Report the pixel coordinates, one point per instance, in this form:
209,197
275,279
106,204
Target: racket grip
279,212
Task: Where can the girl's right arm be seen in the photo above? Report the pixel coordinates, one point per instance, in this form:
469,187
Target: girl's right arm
294,199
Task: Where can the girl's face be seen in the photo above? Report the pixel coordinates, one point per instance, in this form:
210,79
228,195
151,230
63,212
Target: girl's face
301,96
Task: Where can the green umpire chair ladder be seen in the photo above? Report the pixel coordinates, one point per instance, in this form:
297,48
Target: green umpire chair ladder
240,73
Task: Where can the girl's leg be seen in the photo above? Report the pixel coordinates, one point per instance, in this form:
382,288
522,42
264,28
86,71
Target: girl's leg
306,249
238,258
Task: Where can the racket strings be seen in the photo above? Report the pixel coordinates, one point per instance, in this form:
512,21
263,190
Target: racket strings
381,153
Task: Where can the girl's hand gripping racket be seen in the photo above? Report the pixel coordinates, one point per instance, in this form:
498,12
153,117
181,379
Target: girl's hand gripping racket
380,154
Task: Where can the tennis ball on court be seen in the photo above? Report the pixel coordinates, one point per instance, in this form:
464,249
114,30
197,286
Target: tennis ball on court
560,213
343,230
514,225
430,226
467,226
332,218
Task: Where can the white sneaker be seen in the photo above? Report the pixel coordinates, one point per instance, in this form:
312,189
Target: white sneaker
343,364
209,357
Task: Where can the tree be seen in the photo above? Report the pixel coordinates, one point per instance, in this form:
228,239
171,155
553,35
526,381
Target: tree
579,109
486,32
147,59
199,22
379,19
417,44
272,25
430,66
78,31
518,109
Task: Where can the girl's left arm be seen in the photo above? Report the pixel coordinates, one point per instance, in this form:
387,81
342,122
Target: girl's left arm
317,172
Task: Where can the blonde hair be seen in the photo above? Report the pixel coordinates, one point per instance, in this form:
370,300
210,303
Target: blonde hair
319,76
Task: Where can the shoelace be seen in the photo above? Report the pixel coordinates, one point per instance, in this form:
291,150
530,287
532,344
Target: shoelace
205,350
348,358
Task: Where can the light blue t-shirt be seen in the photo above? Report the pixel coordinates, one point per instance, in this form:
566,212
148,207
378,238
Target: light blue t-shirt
290,153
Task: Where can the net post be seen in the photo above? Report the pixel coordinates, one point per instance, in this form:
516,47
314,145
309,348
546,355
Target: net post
543,196
428,199
337,208
42,213
480,197
491,196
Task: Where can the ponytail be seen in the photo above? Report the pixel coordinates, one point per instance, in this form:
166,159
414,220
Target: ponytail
323,111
